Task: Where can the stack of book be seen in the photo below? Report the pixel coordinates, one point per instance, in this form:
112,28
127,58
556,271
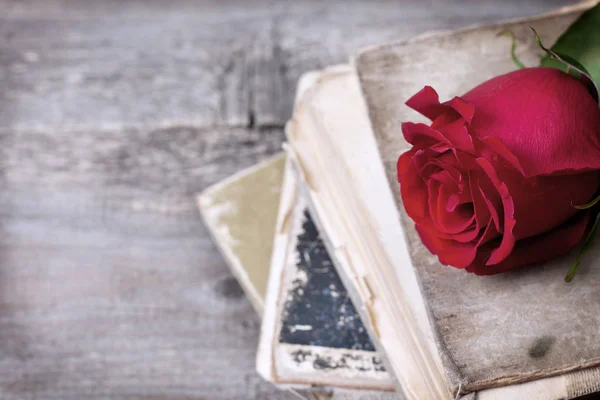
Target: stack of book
318,238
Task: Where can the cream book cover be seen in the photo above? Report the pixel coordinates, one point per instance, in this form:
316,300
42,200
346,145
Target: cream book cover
240,213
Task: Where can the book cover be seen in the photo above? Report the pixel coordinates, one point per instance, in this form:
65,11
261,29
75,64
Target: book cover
240,213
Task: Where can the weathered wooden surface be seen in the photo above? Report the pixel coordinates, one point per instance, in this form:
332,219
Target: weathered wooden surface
112,116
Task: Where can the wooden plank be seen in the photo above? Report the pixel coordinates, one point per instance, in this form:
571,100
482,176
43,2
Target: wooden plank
110,284
173,162
98,300
77,64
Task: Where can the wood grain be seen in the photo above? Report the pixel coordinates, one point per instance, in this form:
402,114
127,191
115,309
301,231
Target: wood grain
112,116
110,285
112,64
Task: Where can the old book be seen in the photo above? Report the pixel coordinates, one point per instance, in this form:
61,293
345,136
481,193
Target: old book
311,332
319,338
446,334
242,229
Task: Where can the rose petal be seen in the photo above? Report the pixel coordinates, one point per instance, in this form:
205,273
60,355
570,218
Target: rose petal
453,222
544,202
508,239
496,145
403,162
536,249
449,252
492,210
482,214
453,201
488,234
450,137
432,196
448,117
543,116
465,109
421,135
427,103
466,236
446,179
414,192
458,135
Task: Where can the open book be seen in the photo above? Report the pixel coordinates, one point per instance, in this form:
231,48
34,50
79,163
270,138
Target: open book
446,334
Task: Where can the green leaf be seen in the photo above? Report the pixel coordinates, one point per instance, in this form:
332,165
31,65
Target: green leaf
580,42
589,205
584,249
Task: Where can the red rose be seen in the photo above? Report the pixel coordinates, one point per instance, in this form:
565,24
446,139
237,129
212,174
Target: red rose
491,182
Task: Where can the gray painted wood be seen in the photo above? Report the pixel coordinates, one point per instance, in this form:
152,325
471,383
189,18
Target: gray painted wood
107,64
112,116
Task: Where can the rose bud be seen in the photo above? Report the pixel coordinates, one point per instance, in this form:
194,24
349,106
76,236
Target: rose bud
491,183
